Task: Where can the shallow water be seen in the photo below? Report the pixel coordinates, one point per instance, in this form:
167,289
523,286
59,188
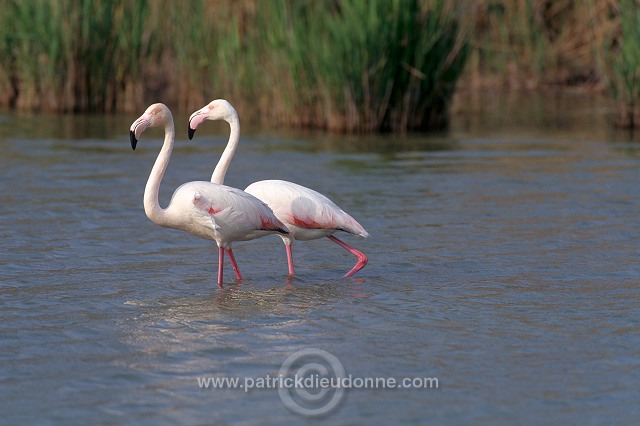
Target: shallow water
503,262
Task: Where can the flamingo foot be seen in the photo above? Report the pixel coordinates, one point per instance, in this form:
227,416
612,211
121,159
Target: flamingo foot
362,262
362,258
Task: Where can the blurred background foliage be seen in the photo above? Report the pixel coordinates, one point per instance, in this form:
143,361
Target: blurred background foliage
340,65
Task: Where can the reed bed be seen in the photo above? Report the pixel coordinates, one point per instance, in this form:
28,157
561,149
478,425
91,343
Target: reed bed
536,44
349,66
531,43
624,62
341,65
69,55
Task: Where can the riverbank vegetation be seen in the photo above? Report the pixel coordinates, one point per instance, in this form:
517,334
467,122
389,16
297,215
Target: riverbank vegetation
588,45
352,66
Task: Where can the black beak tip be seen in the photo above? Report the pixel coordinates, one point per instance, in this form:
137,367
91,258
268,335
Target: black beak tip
132,138
191,132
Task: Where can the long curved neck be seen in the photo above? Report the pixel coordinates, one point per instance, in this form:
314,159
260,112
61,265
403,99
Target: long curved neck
227,155
152,208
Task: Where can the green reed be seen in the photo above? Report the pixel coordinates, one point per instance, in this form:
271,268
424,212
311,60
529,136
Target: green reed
625,65
529,43
341,65
68,55
394,70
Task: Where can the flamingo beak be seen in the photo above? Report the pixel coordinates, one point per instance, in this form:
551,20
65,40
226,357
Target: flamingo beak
138,126
132,138
195,120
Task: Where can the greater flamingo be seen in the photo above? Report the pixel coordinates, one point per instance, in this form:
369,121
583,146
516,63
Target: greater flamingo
205,209
307,214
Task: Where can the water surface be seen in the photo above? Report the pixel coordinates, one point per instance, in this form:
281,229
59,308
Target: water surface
503,261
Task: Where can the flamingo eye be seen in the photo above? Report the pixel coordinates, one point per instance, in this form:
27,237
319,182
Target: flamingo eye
211,107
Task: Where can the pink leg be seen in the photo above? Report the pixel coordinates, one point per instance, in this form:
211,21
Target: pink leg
234,264
362,259
220,265
289,258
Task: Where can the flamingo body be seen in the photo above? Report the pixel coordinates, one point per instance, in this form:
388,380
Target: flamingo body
307,214
220,213
207,210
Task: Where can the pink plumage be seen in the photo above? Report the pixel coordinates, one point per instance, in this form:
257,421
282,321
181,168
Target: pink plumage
205,209
306,213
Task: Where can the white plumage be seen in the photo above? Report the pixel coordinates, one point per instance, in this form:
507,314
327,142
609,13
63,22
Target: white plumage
307,214
208,210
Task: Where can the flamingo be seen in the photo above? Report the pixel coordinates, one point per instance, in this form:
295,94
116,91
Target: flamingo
307,214
205,209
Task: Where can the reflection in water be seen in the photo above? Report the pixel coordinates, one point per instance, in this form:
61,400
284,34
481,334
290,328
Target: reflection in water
514,113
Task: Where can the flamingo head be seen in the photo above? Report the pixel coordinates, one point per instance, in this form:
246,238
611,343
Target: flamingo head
218,109
156,115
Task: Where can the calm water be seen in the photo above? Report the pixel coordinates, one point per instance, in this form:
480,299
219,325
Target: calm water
503,262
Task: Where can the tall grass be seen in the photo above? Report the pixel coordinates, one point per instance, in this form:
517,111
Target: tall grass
542,43
533,43
624,55
341,65
395,69
69,55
